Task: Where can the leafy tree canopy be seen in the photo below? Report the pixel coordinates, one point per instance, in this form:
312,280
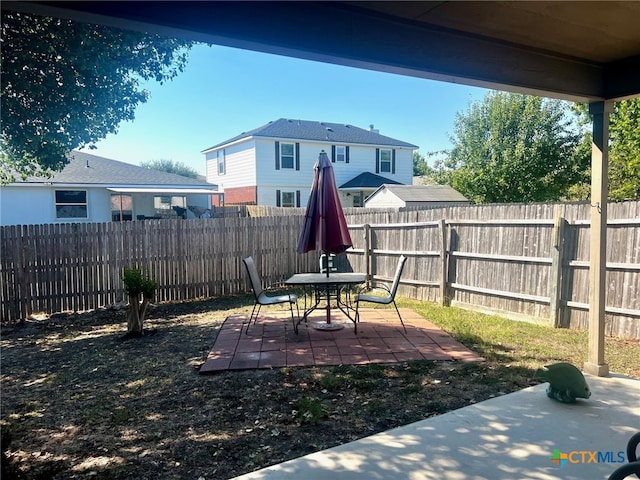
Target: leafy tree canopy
66,85
514,148
420,165
624,150
170,166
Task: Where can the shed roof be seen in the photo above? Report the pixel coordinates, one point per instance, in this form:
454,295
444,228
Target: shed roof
424,193
317,131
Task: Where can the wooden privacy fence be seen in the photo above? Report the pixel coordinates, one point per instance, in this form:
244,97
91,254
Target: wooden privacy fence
61,267
522,261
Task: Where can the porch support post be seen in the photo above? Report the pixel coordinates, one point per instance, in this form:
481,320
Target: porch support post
598,237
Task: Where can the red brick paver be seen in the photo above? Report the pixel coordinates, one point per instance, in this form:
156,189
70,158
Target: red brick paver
272,343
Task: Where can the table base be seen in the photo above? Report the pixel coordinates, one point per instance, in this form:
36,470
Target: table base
327,326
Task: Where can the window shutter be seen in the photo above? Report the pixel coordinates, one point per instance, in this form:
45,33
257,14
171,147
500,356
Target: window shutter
333,154
277,198
393,161
346,153
298,198
297,156
277,155
377,160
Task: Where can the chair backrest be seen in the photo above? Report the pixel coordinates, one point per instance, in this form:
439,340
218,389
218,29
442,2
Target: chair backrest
324,260
396,278
254,277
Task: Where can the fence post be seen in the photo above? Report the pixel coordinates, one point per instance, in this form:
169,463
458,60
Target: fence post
442,230
367,253
555,276
24,290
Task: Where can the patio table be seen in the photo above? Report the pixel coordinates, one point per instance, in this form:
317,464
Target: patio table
325,287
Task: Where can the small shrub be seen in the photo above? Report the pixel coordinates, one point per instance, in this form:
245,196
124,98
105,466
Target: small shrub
310,410
330,381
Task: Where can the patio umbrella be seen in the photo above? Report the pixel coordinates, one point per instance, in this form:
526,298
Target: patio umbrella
325,228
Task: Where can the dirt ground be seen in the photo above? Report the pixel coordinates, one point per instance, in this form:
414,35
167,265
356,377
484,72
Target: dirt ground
79,401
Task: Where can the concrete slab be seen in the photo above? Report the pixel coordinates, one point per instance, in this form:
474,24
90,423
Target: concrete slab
511,438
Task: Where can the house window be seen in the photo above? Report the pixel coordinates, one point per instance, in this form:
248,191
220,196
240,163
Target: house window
358,199
170,206
121,208
221,165
341,153
385,160
288,199
71,204
287,155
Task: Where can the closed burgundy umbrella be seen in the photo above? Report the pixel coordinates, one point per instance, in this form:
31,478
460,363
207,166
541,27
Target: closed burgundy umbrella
325,228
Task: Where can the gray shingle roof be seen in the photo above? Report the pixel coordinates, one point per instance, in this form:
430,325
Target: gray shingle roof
367,180
318,131
425,193
86,169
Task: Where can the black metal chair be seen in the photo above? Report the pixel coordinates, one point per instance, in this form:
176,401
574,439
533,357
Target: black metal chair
262,298
390,297
633,467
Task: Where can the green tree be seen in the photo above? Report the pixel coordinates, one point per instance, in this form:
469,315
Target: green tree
170,166
624,150
66,85
420,165
514,148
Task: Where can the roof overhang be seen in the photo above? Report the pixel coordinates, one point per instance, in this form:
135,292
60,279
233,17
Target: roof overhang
165,191
579,50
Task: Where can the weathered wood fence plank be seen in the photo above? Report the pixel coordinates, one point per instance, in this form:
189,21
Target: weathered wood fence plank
519,260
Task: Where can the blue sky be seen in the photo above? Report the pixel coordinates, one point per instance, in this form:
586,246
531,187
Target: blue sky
225,91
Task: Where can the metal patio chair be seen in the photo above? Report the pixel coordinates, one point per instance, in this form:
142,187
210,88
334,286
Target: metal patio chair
390,297
262,298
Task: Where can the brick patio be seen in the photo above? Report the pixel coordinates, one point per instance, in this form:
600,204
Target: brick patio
271,342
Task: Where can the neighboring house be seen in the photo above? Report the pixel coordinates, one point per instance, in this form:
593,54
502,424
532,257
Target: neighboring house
273,164
96,189
415,196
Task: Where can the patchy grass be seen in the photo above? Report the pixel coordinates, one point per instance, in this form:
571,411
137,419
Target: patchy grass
79,401
524,344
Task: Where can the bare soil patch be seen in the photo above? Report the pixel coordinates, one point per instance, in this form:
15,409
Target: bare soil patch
79,401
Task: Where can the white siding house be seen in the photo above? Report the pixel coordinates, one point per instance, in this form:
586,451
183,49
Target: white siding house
97,189
273,164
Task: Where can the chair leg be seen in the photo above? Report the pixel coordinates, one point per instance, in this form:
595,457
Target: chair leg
399,316
251,317
355,323
295,325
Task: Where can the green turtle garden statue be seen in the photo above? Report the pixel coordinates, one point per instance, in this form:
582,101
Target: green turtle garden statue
566,382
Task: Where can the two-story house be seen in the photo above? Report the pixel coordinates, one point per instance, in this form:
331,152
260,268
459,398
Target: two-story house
273,164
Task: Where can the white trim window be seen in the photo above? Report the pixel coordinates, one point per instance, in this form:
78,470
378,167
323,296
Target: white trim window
221,163
287,155
121,207
385,160
288,199
71,204
341,153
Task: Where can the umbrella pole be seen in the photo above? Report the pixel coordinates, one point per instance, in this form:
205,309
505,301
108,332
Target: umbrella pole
326,267
328,306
